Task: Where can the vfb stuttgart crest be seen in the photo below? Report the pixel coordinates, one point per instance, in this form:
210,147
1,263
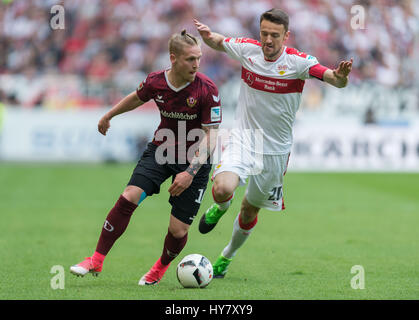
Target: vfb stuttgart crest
282,69
191,101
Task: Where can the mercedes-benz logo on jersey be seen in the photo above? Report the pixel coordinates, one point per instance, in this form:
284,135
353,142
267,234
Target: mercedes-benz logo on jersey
250,78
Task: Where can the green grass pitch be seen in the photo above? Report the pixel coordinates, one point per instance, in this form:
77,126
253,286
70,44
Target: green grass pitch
52,215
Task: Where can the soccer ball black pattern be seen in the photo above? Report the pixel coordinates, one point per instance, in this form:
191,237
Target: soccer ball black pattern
194,271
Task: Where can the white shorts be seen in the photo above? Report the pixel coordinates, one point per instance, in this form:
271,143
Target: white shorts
265,173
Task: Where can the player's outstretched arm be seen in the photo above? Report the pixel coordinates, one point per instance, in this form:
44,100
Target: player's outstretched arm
130,102
339,77
212,39
205,149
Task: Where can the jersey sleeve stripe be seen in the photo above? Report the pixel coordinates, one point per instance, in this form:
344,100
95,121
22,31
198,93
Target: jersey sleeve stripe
249,40
243,40
317,71
296,52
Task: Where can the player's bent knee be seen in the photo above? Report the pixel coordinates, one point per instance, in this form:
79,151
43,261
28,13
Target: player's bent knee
222,190
177,232
133,193
177,228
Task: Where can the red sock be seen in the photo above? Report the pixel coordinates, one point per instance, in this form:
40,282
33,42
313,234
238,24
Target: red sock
115,224
249,225
172,247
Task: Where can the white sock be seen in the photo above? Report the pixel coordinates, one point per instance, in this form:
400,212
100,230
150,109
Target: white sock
223,206
238,237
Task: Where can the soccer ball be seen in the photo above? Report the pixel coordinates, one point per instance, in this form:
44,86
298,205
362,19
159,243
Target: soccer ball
194,271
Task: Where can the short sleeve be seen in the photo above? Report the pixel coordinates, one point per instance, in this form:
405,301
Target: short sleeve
144,90
236,48
305,62
211,113
233,48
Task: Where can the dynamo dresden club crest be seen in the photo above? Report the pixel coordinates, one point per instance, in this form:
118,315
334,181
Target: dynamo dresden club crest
191,101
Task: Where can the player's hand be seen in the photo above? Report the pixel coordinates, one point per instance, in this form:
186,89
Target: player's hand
182,182
103,125
203,29
343,69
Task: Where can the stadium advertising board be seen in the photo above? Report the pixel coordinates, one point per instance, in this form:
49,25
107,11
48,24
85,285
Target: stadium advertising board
72,136
347,147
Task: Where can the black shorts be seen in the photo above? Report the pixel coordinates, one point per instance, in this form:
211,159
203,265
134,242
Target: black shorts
149,175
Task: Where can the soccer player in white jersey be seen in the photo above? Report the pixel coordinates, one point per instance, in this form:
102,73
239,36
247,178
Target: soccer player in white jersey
273,78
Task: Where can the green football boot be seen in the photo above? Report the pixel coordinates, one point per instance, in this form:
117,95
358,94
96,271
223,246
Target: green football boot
220,267
210,218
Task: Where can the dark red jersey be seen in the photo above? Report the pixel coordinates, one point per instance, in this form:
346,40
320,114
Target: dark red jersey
182,109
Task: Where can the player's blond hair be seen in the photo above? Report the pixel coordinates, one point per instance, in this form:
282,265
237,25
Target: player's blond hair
179,40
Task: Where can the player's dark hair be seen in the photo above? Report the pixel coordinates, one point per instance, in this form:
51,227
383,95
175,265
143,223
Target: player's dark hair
178,40
276,16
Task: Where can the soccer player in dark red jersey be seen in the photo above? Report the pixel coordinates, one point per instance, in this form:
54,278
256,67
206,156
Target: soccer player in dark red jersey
190,111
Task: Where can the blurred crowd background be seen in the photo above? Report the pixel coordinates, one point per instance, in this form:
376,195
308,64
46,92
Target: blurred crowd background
109,46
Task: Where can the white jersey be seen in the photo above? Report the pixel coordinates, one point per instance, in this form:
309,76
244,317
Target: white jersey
270,93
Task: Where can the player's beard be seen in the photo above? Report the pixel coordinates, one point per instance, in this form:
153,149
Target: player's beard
271,54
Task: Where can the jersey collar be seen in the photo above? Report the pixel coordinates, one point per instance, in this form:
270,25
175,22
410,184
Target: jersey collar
172,86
